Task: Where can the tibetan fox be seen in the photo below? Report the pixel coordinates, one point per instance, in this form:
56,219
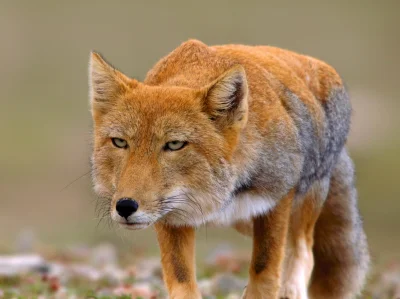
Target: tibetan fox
250,137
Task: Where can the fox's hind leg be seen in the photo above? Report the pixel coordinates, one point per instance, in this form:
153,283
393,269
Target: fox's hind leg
340,249
299,259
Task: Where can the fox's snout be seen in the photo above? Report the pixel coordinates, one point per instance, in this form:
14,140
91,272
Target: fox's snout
126,207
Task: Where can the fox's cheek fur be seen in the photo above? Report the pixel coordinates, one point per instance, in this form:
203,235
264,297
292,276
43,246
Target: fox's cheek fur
199,195
103,174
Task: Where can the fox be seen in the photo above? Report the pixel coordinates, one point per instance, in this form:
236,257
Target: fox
248,137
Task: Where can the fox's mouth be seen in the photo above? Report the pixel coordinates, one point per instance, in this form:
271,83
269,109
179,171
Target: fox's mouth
134,225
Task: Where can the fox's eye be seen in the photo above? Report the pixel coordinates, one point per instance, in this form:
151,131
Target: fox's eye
118,142
175,145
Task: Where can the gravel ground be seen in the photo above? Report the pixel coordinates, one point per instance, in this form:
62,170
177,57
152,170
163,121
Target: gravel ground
100,272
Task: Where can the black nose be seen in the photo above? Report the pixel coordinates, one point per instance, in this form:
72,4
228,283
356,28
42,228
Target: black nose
126,207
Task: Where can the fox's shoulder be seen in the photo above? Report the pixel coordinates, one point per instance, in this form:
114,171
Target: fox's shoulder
295,71
194,64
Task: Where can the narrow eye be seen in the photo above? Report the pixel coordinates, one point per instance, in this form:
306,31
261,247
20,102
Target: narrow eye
175,145
118,142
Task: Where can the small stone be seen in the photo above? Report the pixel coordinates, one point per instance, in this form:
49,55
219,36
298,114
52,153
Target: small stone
20,264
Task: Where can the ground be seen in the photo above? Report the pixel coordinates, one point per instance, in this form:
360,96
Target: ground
104,272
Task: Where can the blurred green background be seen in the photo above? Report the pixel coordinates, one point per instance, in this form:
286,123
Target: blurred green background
45,122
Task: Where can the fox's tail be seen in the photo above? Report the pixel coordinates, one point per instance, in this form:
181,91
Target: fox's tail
340,246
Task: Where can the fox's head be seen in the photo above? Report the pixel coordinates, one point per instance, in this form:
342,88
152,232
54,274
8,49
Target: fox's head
164,152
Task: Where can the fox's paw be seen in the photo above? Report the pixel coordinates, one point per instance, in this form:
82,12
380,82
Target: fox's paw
293,291
186,296
248,294
185,293
259,292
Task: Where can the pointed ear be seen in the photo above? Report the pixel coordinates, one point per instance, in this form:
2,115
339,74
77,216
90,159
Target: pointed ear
226,98
106,83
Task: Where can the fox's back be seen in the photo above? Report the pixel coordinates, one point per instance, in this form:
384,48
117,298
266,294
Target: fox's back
194,64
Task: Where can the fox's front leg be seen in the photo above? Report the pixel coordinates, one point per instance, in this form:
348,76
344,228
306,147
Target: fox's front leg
177,245
269,239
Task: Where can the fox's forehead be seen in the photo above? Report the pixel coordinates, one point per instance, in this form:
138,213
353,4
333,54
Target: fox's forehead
139,126
154,111
159,100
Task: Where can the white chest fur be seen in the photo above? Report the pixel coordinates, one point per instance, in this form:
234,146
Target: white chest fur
242,207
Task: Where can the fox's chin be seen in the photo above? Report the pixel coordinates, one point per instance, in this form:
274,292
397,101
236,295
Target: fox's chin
134,225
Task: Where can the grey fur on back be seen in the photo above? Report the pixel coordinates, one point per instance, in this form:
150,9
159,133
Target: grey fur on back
320,152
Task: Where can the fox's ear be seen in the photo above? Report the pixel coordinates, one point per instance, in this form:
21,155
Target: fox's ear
106,83
226,98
